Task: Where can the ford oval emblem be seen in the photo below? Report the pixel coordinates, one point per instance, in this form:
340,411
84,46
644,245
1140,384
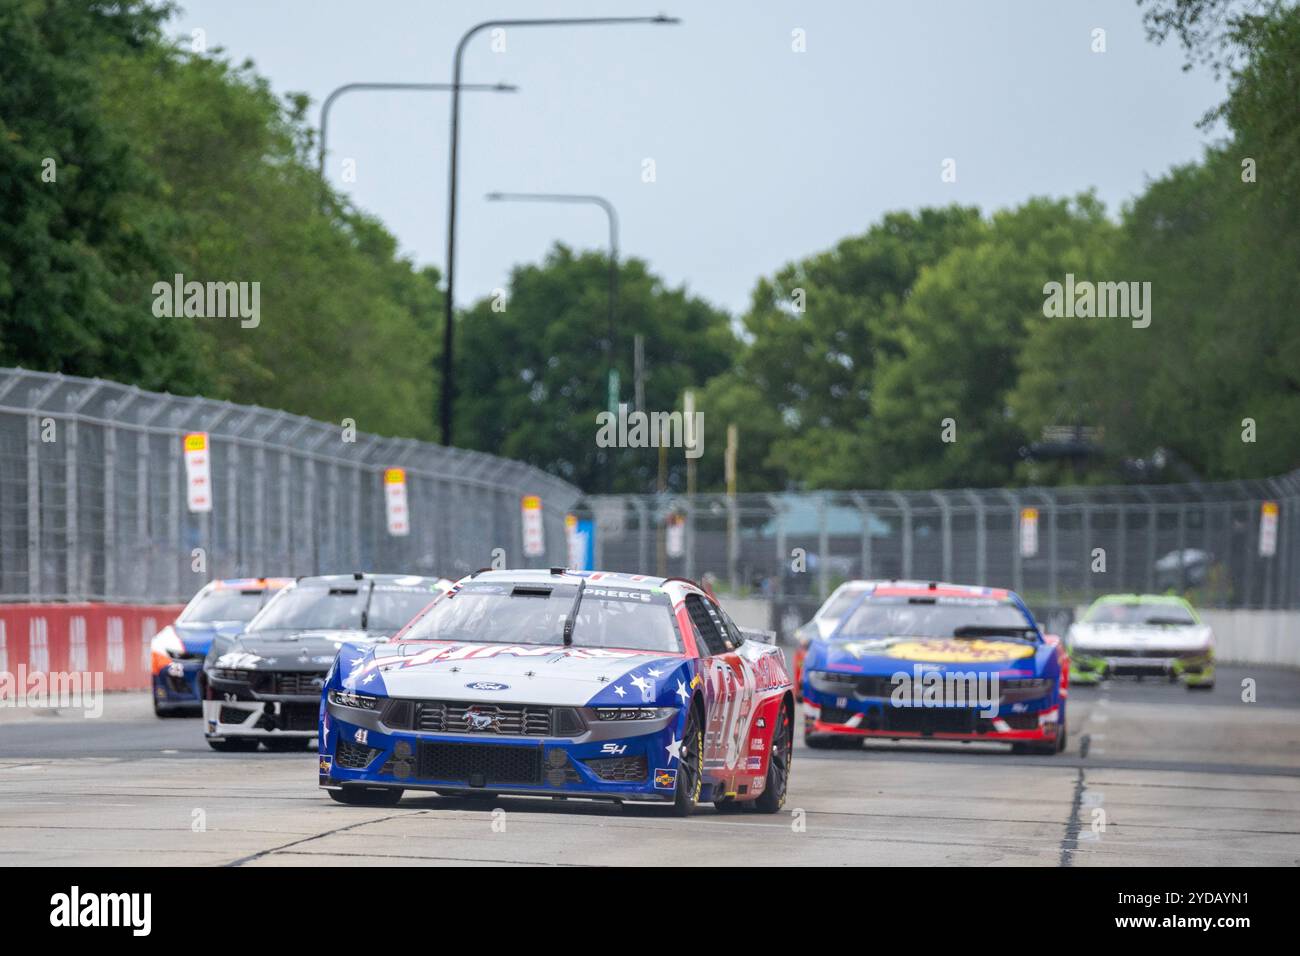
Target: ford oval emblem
487,685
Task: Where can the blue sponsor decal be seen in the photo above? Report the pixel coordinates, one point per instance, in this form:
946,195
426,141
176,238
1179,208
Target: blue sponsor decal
665,779
487,685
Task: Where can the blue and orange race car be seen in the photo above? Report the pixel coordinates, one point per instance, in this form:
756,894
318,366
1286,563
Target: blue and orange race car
937,662
563,684
177,651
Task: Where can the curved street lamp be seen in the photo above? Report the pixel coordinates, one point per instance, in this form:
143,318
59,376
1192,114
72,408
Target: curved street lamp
448,330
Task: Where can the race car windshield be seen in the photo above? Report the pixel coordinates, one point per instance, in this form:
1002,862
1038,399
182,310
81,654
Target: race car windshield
310,608
937,617
224,604
392,608
527,614
841,602
1137,614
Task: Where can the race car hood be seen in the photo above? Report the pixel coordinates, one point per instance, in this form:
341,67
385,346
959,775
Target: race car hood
1152,638
197,637
524,673
289,650
889,655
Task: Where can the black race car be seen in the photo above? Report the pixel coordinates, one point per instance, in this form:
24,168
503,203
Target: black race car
264,685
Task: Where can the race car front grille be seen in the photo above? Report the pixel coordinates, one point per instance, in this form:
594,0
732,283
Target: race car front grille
932,720
619,769
1021,721
353,756
498,720
479,765
288,683
291,717
232,715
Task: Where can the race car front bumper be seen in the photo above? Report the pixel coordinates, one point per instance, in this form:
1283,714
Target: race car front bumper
632,760
881,718
1194,668
177,686
234,709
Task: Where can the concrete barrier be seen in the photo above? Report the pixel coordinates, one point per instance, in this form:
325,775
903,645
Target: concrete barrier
39,640
1255,637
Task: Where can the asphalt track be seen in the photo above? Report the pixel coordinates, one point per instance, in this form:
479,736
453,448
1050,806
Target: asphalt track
1154,774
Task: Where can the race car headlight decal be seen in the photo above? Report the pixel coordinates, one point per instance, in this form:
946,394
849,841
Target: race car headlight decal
632,713
1024,688
347,698
166,642
832,681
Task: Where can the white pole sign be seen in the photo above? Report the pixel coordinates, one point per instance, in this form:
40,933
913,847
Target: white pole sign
399,519
1028,532
1268,529
198,472
534,534
675,539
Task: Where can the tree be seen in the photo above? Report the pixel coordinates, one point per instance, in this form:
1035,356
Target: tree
84,226
532,374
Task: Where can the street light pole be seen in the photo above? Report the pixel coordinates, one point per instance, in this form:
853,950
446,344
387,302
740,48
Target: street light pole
610,352
427,87
448,330
606,205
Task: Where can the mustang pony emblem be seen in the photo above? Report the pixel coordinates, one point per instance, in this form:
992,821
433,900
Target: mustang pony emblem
476,719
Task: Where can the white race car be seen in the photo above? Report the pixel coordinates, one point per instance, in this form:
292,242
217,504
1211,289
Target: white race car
1142,635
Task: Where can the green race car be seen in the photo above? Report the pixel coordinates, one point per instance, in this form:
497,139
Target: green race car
1140,635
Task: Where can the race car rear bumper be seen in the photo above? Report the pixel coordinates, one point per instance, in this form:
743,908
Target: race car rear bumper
881,719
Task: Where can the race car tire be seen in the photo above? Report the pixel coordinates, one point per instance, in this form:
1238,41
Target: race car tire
366,797
831,742
287,744
165,712
234,745
772,799
690,766
1205,686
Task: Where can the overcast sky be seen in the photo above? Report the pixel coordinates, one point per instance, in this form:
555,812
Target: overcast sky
762,155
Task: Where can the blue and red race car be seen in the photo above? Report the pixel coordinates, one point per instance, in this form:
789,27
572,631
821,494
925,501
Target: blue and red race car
937,661
563,683
177,651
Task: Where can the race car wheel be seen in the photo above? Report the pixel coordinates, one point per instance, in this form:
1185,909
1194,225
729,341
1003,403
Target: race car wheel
690,767
234,745
772,799
365,797
287,744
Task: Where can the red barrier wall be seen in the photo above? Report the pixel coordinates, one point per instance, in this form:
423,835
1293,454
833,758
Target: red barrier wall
109,638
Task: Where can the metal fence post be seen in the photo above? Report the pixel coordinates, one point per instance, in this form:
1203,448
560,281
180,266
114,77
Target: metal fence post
981,539
110,512
175,546
1121,535
823,549
1017,561
34,581
906,536
865,543
945,526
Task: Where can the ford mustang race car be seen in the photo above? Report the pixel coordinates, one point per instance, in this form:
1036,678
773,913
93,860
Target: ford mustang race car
178,650
937,661
1140,635
265,684
563,683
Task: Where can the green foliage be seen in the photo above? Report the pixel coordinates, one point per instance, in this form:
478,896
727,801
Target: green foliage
83,230
532,377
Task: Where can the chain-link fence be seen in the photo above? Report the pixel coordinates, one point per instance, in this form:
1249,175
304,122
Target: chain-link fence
94,505
1233,544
